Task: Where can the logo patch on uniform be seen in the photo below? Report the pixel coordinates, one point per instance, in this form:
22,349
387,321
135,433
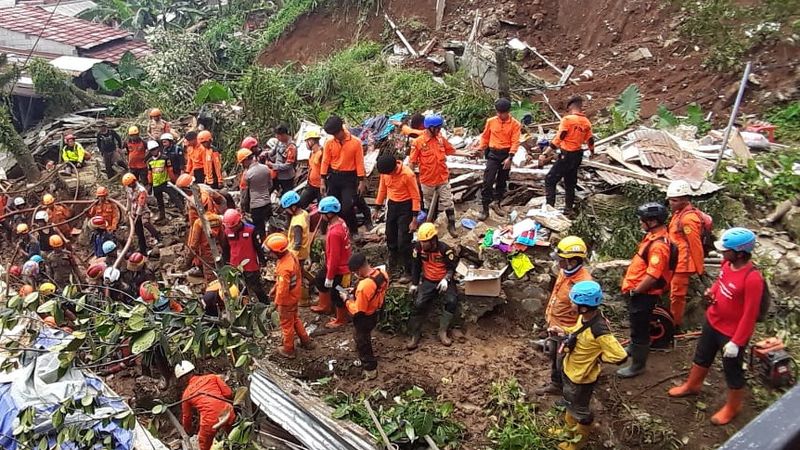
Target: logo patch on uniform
687,229
655,260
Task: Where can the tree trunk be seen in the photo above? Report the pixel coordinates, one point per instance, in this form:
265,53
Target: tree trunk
12,142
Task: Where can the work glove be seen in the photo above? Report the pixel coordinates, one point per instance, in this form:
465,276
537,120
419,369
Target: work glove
328,283
412,289
730,350
442,285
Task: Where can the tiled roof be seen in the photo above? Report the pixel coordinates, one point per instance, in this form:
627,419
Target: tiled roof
82,34
114,51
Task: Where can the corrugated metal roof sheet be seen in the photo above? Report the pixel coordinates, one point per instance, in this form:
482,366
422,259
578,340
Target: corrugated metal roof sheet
82,34
656,160
74,65
316,431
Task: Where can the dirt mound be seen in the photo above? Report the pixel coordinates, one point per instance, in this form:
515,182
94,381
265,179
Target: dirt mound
599,36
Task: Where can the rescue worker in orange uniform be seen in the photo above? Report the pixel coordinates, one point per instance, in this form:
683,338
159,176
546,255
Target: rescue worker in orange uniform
337,253
342,169
61,264
205,394
137,208
105,209
570,254
311,193
399,184
364,306
574,131
429,153
415,127
137,154
212,165
685,231
57,214
433,268
157,125
647,278
200,247
195,157
499,143
286,292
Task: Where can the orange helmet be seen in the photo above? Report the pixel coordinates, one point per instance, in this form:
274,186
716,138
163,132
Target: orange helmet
56,241
22,228
101,191
155,112
204,136
48,199
277,242
135,261
128,179
243,154
25,290
98,222
184,180
149,291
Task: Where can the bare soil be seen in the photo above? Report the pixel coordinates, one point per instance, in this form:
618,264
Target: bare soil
597,35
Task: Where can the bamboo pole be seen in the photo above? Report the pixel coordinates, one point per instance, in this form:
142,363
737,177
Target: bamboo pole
742,86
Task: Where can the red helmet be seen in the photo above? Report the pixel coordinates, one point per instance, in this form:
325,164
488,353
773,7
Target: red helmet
136,258
15,271
249,143
98,222
69,137
25,290
231,218
95,271
149,291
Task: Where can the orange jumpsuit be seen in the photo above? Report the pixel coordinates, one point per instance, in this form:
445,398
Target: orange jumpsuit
198,243
685,231
212,167
288,289
57,214
108,211
203,393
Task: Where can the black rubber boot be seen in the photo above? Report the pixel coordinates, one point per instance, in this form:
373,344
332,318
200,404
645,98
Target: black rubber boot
444,325
484,213
451,222
639,354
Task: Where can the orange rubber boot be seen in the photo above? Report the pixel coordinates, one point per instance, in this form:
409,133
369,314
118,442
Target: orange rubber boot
340,320
732,407
324,305
692,385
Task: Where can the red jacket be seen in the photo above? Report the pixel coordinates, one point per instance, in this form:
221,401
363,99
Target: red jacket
337,249
736,302
204,394
243,245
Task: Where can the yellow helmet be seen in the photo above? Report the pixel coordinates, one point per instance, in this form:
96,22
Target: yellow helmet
232,289
133,130
47,288
312,133
426,232
48,199
22,228
571,247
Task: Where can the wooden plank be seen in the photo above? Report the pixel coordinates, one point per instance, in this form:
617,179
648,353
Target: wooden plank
440,5
565,76
628,173
401,36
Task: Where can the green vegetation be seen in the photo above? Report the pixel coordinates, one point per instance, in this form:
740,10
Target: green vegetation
356,83
787,119
397,309
139,15
285,18
624,112
406,420
728,30
519,425
694,116
749,184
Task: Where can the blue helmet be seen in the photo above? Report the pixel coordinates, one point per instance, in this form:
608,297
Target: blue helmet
433,121
290,198
329,205
108,247
586,293
737,239
37,258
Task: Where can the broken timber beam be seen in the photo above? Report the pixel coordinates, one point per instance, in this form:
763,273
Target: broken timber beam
628,173
401,36
440,4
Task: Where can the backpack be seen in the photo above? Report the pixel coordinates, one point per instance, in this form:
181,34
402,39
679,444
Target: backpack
707,236
672,265
766,297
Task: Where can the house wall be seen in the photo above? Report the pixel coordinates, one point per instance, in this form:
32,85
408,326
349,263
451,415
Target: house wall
24,42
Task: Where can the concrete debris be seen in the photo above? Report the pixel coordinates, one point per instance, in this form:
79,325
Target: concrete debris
639,54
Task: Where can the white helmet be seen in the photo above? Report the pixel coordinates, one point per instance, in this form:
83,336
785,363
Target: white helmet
41,215
19,201
679,188
111,274
167,137
183,368
151,145
272,143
